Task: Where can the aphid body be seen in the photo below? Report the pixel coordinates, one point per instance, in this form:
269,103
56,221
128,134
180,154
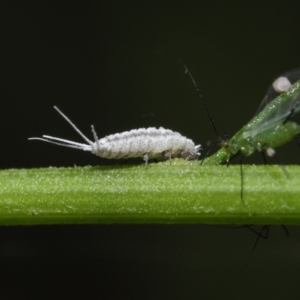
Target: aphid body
270,128
144,142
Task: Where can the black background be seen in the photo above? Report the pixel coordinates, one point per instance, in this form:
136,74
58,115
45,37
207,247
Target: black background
114,64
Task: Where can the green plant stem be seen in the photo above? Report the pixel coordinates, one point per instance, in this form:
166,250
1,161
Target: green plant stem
176,192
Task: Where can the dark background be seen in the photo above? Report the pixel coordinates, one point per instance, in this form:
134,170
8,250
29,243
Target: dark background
114,64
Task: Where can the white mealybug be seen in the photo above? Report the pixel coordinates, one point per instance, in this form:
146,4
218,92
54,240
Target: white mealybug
144,142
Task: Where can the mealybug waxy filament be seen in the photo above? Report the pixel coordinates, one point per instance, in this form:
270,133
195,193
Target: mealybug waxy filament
144,142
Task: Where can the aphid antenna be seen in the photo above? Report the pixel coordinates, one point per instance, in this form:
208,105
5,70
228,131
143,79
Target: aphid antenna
187,71
222,140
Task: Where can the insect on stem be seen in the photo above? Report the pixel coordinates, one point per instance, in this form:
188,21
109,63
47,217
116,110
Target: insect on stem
221,140
156,143
268,129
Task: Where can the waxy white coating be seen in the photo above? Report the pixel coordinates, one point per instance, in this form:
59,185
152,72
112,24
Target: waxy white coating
148,143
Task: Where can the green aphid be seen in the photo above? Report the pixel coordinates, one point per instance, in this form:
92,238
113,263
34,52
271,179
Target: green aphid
270,128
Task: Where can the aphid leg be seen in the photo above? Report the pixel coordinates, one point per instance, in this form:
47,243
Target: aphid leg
146,158
285,230
285,171
271,152
264,157
168,155
242,179
234,226
289,116
267,229
207,153
264,228
260,234
227,160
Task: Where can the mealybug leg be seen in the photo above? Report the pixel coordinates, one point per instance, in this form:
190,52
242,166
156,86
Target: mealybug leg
146,158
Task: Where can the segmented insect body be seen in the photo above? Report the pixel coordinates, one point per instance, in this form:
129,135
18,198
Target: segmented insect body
147,143
270,128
